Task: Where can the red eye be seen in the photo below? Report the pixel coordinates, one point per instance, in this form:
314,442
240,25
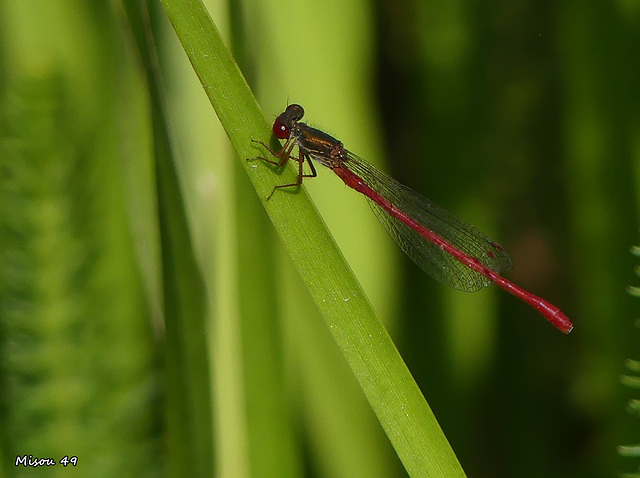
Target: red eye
280,129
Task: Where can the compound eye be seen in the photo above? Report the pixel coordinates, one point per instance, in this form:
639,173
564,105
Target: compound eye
280,129
296,112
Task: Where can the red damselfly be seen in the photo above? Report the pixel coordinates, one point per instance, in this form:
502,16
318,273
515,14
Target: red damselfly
445,247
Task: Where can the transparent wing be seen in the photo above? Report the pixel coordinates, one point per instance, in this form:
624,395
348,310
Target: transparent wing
434,261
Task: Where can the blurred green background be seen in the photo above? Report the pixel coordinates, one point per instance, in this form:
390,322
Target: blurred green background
521,117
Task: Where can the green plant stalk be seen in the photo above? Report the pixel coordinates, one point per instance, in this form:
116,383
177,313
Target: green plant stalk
188,393
382,374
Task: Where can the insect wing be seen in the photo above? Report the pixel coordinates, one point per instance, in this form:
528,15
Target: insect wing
431,258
